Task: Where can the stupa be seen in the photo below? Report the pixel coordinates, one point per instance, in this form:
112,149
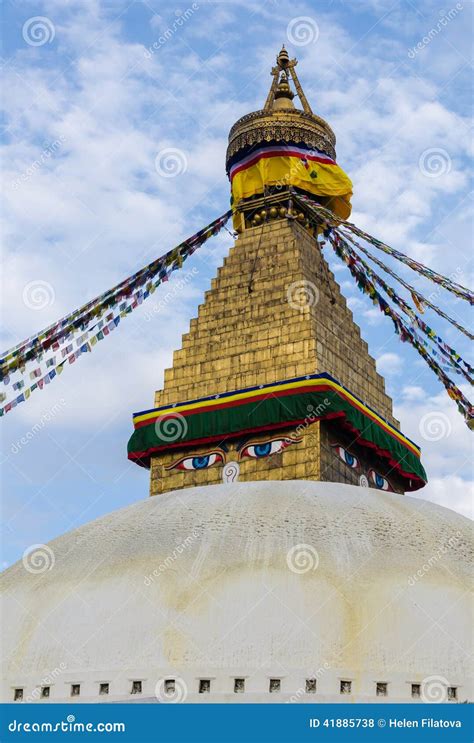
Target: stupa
280,558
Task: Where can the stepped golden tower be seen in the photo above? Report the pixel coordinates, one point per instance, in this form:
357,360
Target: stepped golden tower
274,322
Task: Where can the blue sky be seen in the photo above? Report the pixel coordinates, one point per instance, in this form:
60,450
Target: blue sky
95,91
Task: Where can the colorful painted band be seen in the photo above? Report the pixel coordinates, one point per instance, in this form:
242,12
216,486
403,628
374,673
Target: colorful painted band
292,402
285,164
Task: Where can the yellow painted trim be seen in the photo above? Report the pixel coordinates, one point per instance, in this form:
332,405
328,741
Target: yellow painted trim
184,407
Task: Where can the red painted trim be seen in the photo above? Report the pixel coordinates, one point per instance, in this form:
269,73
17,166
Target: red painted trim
142,458
285,393
280,153
258,397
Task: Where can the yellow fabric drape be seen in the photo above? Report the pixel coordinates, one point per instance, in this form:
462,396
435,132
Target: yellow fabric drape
319,179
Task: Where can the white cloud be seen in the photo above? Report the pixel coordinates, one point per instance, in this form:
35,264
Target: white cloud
446,446
450,491
389,363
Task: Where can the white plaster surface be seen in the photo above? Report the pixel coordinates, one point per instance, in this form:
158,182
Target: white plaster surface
196,584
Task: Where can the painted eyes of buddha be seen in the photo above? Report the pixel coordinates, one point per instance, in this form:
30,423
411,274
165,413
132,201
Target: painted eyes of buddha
380,482
265,449
348,458
255,450
202,462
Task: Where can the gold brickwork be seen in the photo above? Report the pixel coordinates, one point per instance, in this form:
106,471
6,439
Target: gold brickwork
299,461
243,338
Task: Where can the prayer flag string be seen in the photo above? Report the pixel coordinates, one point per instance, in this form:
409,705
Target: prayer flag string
449,353
403,331
418,298
332,219
366,278
95,320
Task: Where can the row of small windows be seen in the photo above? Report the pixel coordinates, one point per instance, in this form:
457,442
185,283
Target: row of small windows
345,687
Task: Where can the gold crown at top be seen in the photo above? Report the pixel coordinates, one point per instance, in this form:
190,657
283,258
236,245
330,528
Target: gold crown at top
280,120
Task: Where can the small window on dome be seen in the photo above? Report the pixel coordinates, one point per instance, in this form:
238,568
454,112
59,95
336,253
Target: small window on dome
275,686
416,691
18,695
136,687
75,690
239,686
104,688
45,691
346,687
381,689
170,686
204,686
310,686
452,693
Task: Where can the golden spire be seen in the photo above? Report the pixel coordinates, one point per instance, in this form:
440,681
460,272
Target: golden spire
279,120
283,65
283,97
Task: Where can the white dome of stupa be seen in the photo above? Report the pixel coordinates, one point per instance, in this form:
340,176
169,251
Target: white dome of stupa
316,591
